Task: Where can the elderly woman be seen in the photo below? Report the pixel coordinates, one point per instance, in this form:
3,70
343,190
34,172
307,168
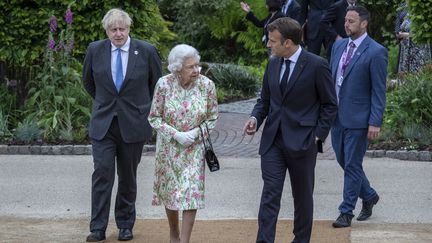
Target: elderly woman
183,101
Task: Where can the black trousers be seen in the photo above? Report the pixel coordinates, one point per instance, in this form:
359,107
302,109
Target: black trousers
106,152
301,168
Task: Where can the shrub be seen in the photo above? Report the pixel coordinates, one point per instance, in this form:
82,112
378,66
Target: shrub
235,81
27,132
408,114
57,100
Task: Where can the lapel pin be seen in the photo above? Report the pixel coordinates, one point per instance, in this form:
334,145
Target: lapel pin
136,52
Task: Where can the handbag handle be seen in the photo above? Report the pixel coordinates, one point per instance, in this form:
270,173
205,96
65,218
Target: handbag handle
208,138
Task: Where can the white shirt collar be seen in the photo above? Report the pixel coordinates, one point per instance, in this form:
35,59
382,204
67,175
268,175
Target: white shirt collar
359,40
124,48
294,57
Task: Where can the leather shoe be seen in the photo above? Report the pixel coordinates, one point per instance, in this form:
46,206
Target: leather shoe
366,211
96,236
125,234
344,220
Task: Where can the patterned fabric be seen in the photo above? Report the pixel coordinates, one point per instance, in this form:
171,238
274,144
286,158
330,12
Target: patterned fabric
412,56
179,170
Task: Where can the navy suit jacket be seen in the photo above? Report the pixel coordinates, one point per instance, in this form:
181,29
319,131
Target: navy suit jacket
304,111
132,103
333,21
312,11
294,11
362,95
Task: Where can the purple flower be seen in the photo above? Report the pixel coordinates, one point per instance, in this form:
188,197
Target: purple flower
70,47
68,16
51,44
53,24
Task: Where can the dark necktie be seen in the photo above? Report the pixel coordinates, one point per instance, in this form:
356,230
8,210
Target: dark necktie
119,71
348,56
284,81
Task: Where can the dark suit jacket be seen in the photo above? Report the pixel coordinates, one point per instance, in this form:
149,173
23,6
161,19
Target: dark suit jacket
294,11
263,23
312,11
132,103
362,94
304,111
333,21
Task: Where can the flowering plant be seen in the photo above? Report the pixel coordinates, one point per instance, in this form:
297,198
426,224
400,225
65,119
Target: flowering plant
56,92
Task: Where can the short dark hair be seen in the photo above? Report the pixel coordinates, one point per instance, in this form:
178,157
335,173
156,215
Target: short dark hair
362,11
274,5
288,27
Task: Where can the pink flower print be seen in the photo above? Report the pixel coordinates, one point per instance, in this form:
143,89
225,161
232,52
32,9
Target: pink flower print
196,195
201,177
185,104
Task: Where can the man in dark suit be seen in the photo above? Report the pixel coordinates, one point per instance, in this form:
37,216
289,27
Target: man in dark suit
311,14
359,68
332,23
299,102
120,74
291,8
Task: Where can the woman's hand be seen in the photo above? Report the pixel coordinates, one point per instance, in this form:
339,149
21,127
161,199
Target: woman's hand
245,7
184,138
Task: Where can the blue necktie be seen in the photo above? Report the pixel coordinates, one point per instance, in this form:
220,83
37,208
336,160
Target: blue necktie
119,71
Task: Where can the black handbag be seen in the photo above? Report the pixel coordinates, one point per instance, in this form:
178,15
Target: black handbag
209,154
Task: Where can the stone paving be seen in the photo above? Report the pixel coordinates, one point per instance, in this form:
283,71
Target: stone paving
228,139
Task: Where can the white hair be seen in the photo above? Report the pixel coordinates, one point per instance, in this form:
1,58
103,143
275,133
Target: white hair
116,16
179,54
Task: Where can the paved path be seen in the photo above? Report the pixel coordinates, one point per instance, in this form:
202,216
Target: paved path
228,139
56,187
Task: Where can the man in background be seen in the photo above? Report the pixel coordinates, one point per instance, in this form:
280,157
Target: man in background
359,69
311,13
332,23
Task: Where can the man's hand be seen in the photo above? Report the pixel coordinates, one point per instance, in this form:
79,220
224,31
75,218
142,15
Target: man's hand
373,132
250,126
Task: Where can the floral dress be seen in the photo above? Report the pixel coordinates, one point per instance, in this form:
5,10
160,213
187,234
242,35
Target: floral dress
179,170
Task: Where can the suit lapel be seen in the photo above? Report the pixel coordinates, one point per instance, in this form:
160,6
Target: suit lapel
298,68
133,54
105,57
356,55
336,59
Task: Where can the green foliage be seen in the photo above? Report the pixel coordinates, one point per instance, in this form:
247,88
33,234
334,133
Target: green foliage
22,43
421,17
217,29
382,24
408,113
4,127
57,100
393,51
232,81
27,131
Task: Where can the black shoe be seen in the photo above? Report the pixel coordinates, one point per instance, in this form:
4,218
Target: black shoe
125,234
366,211
344,220
96,236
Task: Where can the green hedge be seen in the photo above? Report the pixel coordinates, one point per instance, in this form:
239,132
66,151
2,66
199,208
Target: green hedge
22,39
421,16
